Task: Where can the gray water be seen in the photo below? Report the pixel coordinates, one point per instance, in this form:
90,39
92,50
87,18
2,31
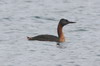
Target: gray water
22,18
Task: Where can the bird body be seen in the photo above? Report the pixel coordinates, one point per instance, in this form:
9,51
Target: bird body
47,37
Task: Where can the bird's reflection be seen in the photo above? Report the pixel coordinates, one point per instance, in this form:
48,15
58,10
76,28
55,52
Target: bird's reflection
61,45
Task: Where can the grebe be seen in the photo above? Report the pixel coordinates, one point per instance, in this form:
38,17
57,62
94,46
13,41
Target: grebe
60,37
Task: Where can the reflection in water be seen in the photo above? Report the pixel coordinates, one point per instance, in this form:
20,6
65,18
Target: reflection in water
61,45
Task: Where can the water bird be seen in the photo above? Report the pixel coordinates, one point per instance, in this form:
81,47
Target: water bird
53,38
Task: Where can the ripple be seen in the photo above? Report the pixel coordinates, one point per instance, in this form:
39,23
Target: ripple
37,17
59,65
81,30
45,18
71,62
77,65
98,55
7,18
28,1
32,50
2,40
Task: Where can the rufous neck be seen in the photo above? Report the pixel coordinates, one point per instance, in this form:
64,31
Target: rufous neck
60,33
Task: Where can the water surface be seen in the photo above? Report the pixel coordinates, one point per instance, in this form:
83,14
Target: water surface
22,18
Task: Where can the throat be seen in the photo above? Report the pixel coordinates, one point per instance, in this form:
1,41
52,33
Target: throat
60,33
